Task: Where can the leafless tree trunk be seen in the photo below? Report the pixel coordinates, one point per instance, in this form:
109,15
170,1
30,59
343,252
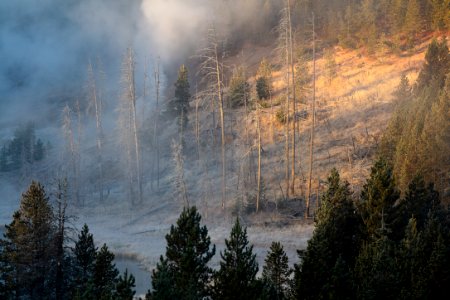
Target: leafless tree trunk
131,129
283,31
179,181
212,69
258,127
96,101
71,150
156,127
311,145
294,118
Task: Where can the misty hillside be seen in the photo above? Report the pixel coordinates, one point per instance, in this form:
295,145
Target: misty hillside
268,113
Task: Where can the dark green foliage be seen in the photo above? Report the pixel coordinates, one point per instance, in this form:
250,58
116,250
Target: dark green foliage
184,272
28,248
180,104
163,282
276,272
236,278
262,88
84,261
378,199
124,287
239,90
436,66
418,135
327,262
22,149
376,271
105,274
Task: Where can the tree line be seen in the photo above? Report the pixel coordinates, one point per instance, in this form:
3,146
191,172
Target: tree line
40,260
378,244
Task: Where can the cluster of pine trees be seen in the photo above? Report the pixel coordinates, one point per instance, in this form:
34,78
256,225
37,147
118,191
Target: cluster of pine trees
38,262
396,24
379,244
417,140
368,247
24,148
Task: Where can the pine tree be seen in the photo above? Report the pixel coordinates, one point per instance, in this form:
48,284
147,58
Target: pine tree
276,271
236,278
29,248
327,262
163,282
85,254
413,21
239,90
378,198
185,272
376,271
180,105
105,274
436,66
124,287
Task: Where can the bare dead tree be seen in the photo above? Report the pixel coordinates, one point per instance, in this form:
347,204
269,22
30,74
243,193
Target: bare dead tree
71,151
283,49
129,125
180,190
258,128
294,112
211,69
156,125
313,121
96,101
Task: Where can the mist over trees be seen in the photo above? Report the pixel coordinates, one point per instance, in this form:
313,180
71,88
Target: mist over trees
221,133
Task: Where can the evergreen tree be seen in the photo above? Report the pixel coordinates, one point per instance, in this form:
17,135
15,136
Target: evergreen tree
276,271
239,88
262,88
413,21
180,106
326,264
185,272
236,278
105,274
378,199
376,271
436,66
163,282
85,254
124,287
28,248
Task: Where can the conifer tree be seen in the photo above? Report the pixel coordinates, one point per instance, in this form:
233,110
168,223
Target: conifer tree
124,287
236,278
180,106
333,247
436,66
28,247
85,254
378,198
105,274
276,271
184,271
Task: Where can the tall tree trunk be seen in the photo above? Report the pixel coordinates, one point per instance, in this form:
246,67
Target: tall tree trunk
97,102
311,145
156,125
294,118
258,123
222,124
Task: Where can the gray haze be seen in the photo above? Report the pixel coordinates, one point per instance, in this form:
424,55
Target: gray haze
45,45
